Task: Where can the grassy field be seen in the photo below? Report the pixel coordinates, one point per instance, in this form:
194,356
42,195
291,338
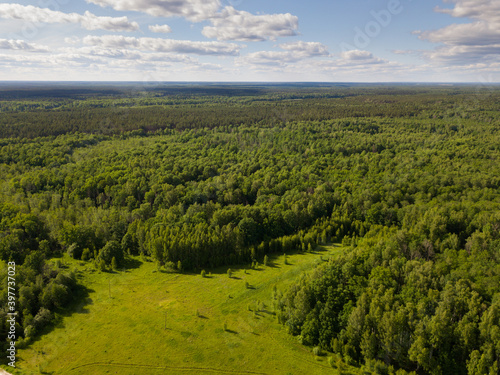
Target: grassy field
145,321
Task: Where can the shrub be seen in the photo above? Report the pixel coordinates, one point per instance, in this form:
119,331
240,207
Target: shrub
54,295
332,361
86,254
317,351
29,331
101,265
41,319
110,250
203,273
229,272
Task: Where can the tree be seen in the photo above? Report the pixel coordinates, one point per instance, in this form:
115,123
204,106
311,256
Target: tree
111,250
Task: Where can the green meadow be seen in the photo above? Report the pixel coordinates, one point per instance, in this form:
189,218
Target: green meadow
143,320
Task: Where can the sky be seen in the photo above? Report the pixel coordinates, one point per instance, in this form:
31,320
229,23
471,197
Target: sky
251,40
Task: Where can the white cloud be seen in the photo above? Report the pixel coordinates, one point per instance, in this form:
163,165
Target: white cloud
471,34
293,52
486,10
357,56
127,54
160,29
308,48
193,10
21,45
467,43
164,45
232,24
226,24
88,20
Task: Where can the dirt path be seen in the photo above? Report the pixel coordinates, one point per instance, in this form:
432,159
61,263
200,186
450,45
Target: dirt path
3,372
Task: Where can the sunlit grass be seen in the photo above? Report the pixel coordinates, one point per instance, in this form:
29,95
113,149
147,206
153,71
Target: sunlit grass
144,321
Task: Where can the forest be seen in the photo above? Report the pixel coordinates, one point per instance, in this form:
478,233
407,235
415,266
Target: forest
193,177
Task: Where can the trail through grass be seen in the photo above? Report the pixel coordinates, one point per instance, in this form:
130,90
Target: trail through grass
153,322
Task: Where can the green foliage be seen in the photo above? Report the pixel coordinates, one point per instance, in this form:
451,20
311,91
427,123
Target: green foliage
317,351
86,254
203,273
404,176
111,250
101,265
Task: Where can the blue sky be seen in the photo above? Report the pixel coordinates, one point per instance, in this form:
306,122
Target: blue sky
251,40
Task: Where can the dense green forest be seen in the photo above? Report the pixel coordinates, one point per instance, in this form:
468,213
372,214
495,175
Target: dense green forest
198,177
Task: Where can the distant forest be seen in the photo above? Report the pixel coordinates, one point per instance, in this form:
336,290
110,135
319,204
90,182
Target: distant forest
194,177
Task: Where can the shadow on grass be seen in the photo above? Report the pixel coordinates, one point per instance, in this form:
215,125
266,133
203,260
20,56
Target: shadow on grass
79,305
131,264
267,312
231,331
272,265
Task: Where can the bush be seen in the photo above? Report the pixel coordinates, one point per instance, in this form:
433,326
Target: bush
101,265
229,273
111,250
170,266
332,361
203,273
86,254
43,318
54,295
29,331
317,351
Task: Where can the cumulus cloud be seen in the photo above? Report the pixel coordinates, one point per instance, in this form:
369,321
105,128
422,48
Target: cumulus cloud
487,10
232,24
164,45
160,29
308,49
465,43
88,20
357,56
292,52
227,23
193,10
127,54
21,45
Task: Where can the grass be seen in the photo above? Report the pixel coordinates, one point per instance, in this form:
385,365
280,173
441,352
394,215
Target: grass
149,322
